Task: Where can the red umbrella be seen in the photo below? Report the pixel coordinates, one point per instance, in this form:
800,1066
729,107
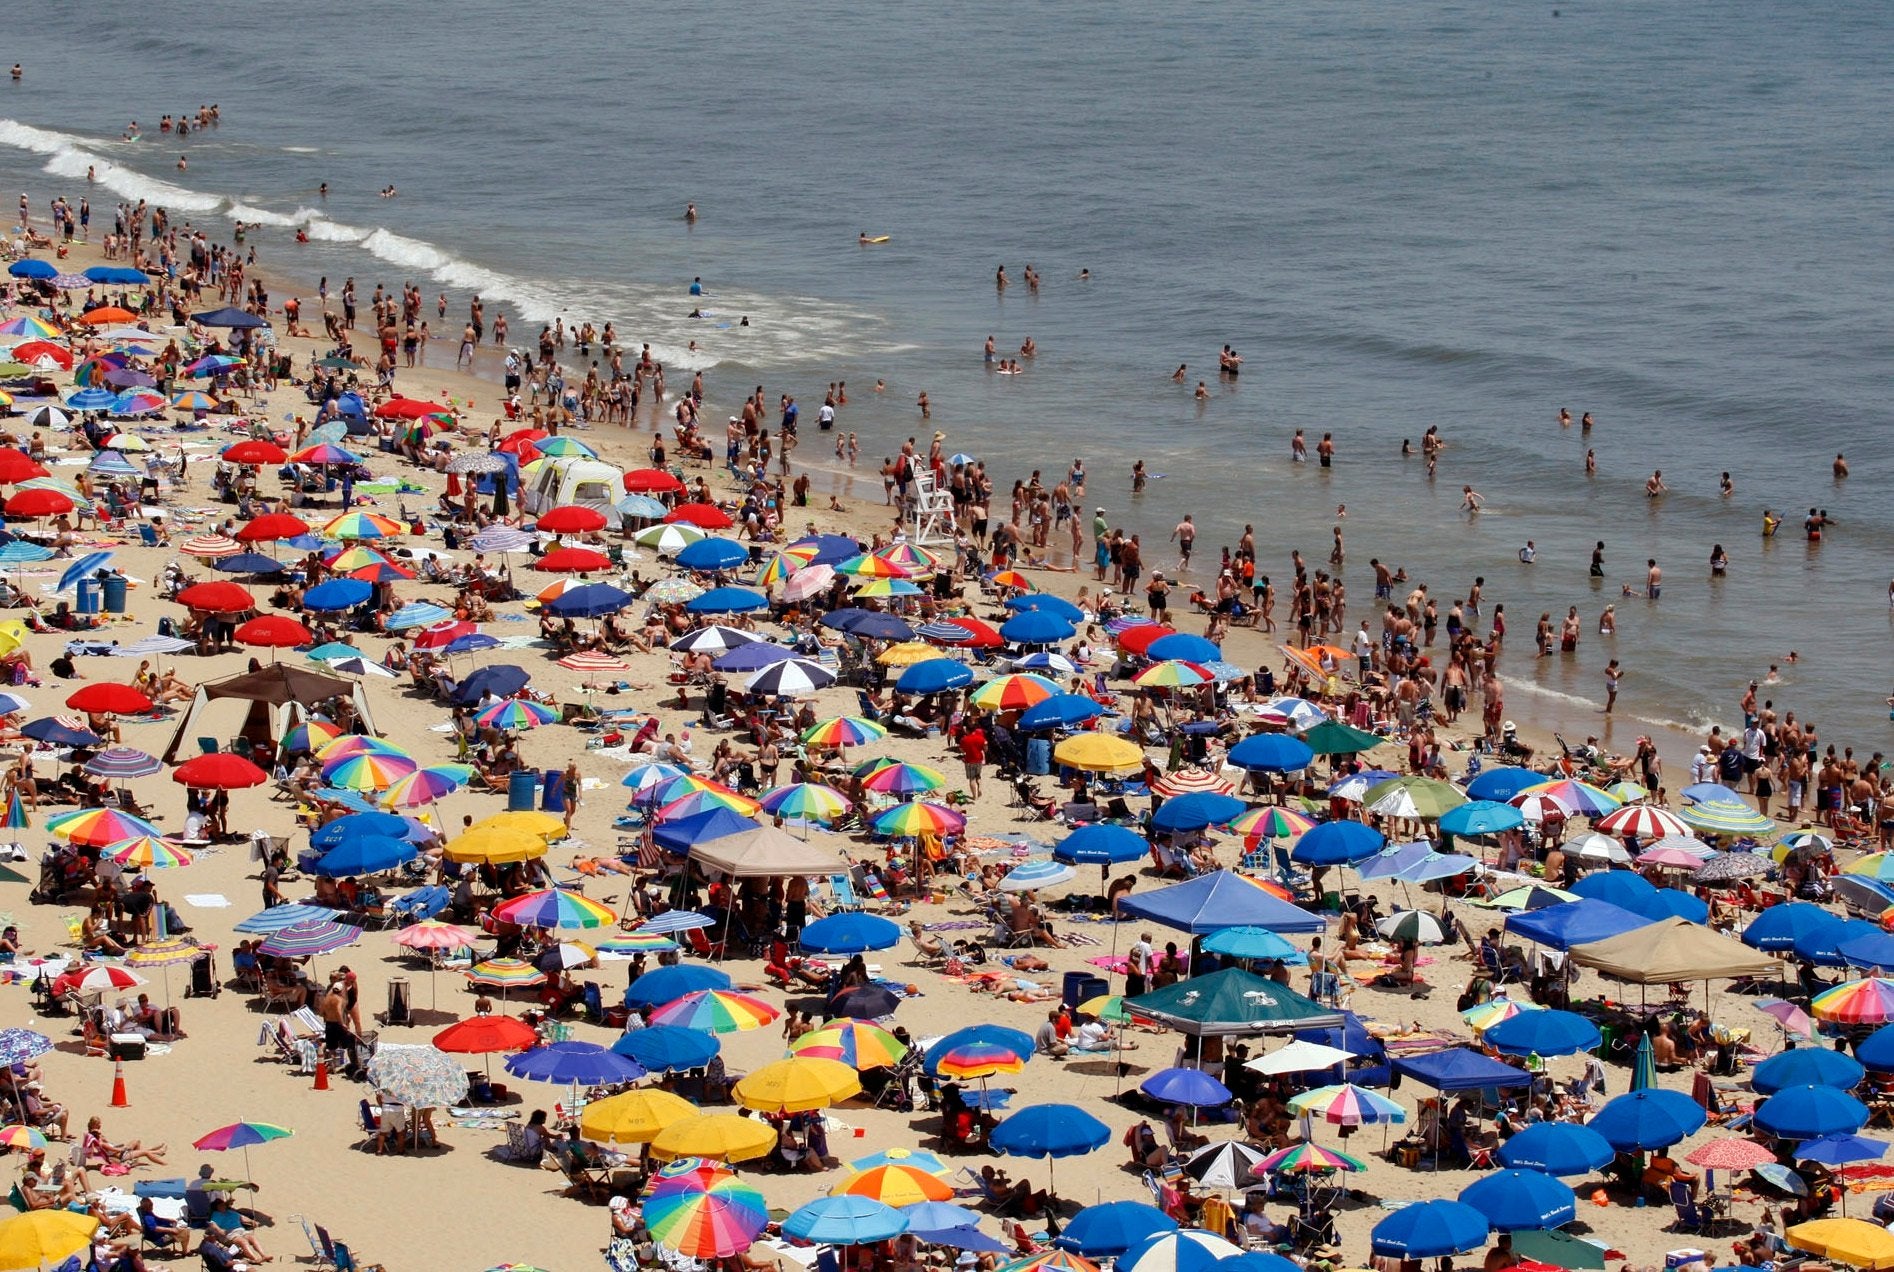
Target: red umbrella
573,560
271,525
38,503
219,770
979,635
1138,639
256,452
106,696
381,572
441,635
33,350
480,1034
274,631
521,440
402,408
702,515
571,518
17,465
651,481
217,598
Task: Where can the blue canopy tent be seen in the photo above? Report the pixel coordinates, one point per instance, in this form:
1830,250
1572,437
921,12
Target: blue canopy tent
1461,1069
680,833
1573,923
1219,900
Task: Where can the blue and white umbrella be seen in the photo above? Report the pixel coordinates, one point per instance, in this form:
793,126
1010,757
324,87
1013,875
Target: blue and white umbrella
676,921
790,678
416,614
640,508
18,1045
714,639
1186,1250
501,539
278,917
1037,874
84,568
147,645
122,763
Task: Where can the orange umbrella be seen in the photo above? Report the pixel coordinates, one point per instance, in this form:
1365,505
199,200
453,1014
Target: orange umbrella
106,315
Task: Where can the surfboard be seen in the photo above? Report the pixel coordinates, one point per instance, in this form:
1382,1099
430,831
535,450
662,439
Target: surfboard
881,238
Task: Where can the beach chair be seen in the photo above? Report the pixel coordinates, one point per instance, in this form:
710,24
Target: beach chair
842,892
1690,1216
976,1183
869,882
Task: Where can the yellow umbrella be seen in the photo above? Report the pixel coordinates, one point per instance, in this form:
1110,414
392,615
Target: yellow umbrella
896,1185
797,1085
1852,1241
43,1238
722,1137
908,652
635,1117
496,845
1098,753
530,820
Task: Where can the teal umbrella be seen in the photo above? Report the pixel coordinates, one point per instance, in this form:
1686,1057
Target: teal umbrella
1644,1066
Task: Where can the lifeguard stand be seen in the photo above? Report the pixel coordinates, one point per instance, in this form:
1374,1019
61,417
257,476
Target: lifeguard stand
932,512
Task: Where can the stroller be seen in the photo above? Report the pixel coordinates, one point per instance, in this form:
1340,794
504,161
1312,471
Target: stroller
63,873
205,982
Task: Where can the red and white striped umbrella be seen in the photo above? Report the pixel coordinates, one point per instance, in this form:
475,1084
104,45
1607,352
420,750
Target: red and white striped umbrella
1645,821
97,978
589,660
210,545
1187,781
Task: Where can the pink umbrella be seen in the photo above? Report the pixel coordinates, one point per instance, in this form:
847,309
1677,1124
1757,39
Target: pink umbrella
1670,858
1730,1154
807,582
433,935
1791,1017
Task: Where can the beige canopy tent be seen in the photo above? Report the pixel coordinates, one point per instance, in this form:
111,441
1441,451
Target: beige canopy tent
1673,951
766,852
272,697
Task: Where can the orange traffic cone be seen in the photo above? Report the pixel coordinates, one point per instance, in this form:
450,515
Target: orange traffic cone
322,1073
119,1099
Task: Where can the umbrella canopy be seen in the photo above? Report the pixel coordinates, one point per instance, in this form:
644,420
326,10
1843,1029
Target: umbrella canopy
1190,1087
856,1043
1272,753
723,1137
421,1077
1430,1230
1557,1148
1338,843
896,1184
797,1085
1855,1242
668,1048
1195,811
1808,1066
844,1221
1481,817
1543,1033
1109,1229
309,938
44,1238
716,1011
1730,1154
585,1063
633,1117
1101,843
1183,1250
1862,1002
1652,1118
851,933
667,984
1514,1199
1810,1111
1049,1130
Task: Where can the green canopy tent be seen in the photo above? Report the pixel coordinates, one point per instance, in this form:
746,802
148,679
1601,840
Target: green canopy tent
1231,1002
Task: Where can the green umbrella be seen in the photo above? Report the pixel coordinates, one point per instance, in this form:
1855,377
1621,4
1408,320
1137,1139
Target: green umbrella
1644,1066
1560,1249
1419,798
1332,737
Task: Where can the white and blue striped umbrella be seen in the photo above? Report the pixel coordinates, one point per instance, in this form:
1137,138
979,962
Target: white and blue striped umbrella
417,614
278,917
305,940
123,763
154,644
676,921
1037,874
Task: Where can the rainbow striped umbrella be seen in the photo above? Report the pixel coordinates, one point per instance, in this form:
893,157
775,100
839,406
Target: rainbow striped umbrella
354,557
669,790
778,568
240,1135
324,453
146,852
25,1139
1174,673
555,908
915,560
1722,817
1346,1104
855,1043
628,943
1487,1014
1576,798
897,777
367,771
692,803
359,744
425,785
706,1219
517,713
917,818
505,973
99,827
844,731
1306,1158
715,1011
309,735
1260,824
362,525
806,801
978,1060
866,566
1013,693
28,325
888,587
1862,1002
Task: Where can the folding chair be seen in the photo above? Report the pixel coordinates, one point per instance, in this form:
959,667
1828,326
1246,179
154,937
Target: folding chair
843,892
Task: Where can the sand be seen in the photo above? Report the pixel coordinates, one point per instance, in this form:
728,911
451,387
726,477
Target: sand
457,1207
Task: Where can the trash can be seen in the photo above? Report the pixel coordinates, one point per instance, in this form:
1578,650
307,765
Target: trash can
520,788
1038,756
398,1001
553,792
114,593
1082,987
89,591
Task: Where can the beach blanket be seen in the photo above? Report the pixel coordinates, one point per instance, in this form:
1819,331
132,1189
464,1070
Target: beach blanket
1080,938
898,988
207,900
956,925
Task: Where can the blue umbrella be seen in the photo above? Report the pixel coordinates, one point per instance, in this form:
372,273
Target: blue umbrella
845,1220
1390,862
308,543
1036,627
864,1002
1438,865
1185,646
640,507
22,552
1822,945
934,675
1192,1087
830,549
1186,1250
1521,1200
938,1216
1195,811
472,643
1430,1230
498,681
873,626
851,933
1876,1051
84,568
1557,1148
1252,942
1101,844
727,600
590,600
713,554
1049,1130
1110,1228
668,1048
1272,753
334,651
752,656
118,275
279,917
49,729
1840,1150
248,563
1653,1118
227,317
668,984
1871,950
1809,1112
91,400
585,1063
112,464
1543,1033
965,1238
1337,843
1808,1066
1481,817
1046,603
1777,928
33,268
1060,711
1503,783
18,1045
364,854
337,594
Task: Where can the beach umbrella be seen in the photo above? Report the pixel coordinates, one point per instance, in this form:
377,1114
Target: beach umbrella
18,1045
851,933
1730,867
1272,753
22,1138
142,852
1013,692
1720,818
1503,782
1049,1131
917,817
1429,1230
1557,1148
1543,1033
1101,843
367,771
365,855
711,555
55,731
44,1238
1413,925
1181,1250
723,1137
845,1220
1513,1200
1252,943
241,1135
1809,1112
96,978
1338,843
1855,1242
276,918
337,594
1419,798
1097,752
583,1063
517,714
1060,711
432,934
426,785
1861,1002
1196,811
1649,1118
1807,1066
1190,1087
798,1085
1332,737
273,631
1035,875
715,1011
1841,1150
1345,1104
864,1002
1259,825
218,598
99,827
668,984
1645,821
934,675
790,678
633,1117
1227,1165
1108,1229
668,1048
308,939
701,515
418,1076
856,1043
481,1035
1481,817
706,1219
555,908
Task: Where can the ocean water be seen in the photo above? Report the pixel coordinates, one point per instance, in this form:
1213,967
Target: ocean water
1673,216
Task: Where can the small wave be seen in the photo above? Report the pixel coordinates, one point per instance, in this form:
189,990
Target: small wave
252,215
302,150
1571,701
69,156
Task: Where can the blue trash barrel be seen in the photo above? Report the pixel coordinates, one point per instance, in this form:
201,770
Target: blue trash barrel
553,796
1038,756
114,593
1082,987
89,593
520,787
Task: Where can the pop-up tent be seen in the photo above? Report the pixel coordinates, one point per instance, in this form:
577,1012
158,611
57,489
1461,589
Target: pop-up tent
270,697
1219,900
767,852
1674,951
1460,1069
1231,1001
1574,923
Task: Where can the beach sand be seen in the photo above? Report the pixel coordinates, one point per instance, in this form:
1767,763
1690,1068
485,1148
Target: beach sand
457,1207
